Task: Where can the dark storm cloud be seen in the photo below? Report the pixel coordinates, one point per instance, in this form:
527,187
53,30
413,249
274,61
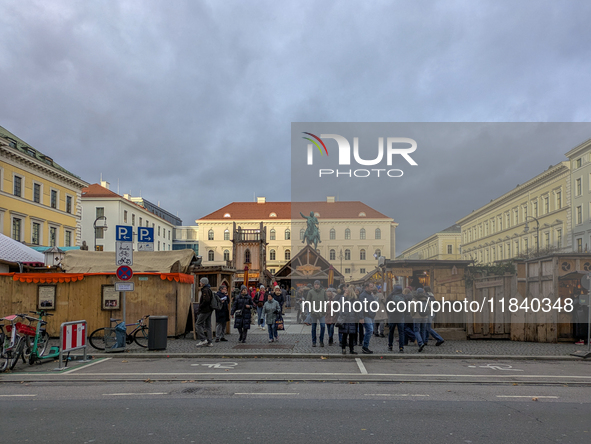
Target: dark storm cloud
191,102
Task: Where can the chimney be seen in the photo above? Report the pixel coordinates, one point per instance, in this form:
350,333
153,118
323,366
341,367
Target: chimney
261,200
330,199
105,184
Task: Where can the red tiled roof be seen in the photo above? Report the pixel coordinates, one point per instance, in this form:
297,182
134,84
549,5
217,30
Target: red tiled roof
284,210
95,190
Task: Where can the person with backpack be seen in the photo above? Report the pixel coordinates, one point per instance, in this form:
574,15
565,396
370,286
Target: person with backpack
203,323
420,314
241,311
272,312
429,327
259,301
317,296
396,317
222,315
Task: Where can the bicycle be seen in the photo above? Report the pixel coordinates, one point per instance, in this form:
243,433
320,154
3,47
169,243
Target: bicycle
36,350
139,334
13,345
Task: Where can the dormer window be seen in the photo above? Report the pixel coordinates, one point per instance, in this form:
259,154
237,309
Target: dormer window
362,214
227,215
273,215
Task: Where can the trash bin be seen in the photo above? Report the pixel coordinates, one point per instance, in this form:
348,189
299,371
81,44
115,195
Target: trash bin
157,332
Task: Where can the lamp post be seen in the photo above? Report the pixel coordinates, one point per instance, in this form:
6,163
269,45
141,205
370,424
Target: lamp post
104,227
526,229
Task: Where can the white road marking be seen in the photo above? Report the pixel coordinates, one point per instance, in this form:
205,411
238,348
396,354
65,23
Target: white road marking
362,368
394,394
7,396
228,365
85,366
264,394
130,394
523,396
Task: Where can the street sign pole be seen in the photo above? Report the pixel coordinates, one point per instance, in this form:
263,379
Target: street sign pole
124,256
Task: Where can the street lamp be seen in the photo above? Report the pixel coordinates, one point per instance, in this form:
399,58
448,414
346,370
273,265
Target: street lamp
104,227
526,229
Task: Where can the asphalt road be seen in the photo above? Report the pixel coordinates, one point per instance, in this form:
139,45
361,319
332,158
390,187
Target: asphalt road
293,412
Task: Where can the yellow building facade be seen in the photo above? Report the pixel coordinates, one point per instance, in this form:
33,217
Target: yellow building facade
39,200
443,245
533,218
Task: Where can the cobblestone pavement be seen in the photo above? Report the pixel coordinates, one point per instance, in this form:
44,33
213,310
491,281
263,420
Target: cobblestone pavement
297,339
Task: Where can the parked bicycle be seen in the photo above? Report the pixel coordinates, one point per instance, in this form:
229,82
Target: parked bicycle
15,342
139,334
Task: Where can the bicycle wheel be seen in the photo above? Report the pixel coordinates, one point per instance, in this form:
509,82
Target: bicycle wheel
42,343
16,352
141,337
97,339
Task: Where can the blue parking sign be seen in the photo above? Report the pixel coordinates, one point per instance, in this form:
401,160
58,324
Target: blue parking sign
124,233
145,234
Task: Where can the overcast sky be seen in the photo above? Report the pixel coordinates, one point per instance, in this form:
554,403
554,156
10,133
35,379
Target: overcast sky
191,102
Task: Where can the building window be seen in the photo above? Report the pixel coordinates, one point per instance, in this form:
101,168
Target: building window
362,270
98,232
16,229
287,234
508,220
546,204
69,204
18,186
302,234
272,270
578,187
226,234
53,200
147,224
378,254
140,222
333,234
578,163
333,255
535,205
210,235
272,255
361,255
378,233
52,236
450,249
247,257
547,240
579,245
124,216
37,193
559,238
226,255
579,215
347,270
272,235
133,221
362,234
347,234
68,239
35,233
516,248
558,200
169,235
158,246
158,231
100,212
287,255
210,255
347,255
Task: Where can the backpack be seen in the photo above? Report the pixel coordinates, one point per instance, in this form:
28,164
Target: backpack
426,306
216,302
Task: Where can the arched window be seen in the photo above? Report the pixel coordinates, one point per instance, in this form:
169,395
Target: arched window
227,234
210,255
378,253
347,255
210,235
287,255
287,234
226,255
247,256
302,234
333,234
272,234
347,234
362,234
272,255
378,233
333,255
362,255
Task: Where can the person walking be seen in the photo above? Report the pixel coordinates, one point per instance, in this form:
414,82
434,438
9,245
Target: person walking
396,317
241,312
222,316
381,316
203,324
272,312
331,317
429,326
348,319
366,298
419,316
317,296
278,296
259,300
409,334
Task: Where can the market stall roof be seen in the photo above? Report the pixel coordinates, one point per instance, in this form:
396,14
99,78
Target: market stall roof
80,261
13,251
307,264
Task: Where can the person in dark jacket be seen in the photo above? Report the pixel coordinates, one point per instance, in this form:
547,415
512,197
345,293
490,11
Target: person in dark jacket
366,297
222,316
395,317
278,296
429,327
203,323
419,316
259,300
409,333
348,319
242,307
